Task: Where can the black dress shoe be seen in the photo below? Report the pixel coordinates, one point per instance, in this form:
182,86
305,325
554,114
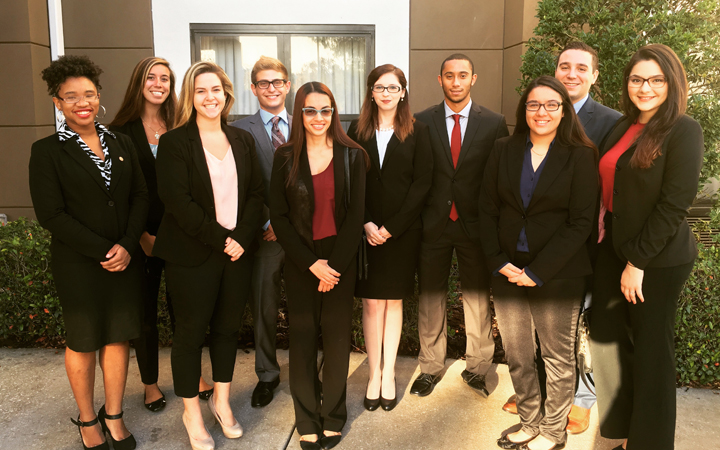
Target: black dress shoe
386,404
307,445
263,393
557,447
128,443
157,405
619,447
424,384
327,442
504,442
475,381
205,395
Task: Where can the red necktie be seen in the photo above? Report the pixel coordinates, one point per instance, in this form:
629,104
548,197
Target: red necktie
455,144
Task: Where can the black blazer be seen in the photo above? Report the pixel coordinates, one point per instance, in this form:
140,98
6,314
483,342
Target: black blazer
396,194
650,206
135,130
71,200
462,184
189,231
597,120
558,219
292,207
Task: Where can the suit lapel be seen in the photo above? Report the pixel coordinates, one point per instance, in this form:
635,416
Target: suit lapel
138,135
586,113
439,120
257,128
516,157
556,158
339,173
472,127
119,158
239,154
617,133
198,156
306,177
374,153
79,155
391,147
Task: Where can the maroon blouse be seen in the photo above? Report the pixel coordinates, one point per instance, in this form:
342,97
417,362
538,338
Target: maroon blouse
324,214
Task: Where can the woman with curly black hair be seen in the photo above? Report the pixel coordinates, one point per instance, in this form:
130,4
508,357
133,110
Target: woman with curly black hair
88,191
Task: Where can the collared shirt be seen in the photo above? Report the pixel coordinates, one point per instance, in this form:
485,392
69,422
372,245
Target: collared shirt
65,133
579,104
282,124
450,122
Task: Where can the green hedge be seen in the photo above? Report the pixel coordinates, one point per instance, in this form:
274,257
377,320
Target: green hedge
30,312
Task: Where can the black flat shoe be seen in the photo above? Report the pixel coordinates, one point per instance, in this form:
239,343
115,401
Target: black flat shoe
307,445
506,443
557,447
263,393
205,395
386,404
424,384
125,444
156,406
327,442
79,423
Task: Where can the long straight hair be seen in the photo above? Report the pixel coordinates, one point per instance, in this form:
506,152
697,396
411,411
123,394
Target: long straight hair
134,101
570,132
186,108
335,132
650,140
368,120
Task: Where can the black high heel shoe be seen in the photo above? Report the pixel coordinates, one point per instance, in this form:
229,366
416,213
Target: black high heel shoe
370,405
79,423
389,404
328,442
126,444
310,445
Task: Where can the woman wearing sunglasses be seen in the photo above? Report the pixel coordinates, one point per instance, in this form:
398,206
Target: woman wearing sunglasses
397,185
536,212
649,174
317,214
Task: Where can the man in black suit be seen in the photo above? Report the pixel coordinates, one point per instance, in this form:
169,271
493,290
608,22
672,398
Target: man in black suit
462,134
577,68
270,128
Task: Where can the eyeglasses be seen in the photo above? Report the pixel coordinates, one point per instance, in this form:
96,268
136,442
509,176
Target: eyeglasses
264,84
312,112
73,99
393,89
654,82
549,106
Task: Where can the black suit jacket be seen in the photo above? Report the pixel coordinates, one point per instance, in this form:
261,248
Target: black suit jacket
189,231
135,130
597,120
558,219
650,206
292,207
462,184
71,200
396,194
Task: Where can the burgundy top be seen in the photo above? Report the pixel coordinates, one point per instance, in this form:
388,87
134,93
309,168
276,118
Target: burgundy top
610,159
324,214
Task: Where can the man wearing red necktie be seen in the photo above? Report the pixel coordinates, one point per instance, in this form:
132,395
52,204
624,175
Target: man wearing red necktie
462,134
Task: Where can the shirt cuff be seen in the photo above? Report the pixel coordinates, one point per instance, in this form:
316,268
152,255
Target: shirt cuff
265,227
497,271
533,277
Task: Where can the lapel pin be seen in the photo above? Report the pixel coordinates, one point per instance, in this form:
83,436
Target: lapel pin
121,158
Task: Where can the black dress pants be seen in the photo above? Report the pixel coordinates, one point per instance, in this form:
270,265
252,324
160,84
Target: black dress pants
310,312
212,294
146,346
633,352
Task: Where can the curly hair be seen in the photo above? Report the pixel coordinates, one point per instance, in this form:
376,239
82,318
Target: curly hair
70,66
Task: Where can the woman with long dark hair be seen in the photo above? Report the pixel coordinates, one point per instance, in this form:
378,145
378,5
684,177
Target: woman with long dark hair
536,212
397,185
88,191
317,194
649,170
210,183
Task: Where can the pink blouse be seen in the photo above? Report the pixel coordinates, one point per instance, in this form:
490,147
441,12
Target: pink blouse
223,175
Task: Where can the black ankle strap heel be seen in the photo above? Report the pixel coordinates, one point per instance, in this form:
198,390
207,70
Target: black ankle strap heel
128,443
80,423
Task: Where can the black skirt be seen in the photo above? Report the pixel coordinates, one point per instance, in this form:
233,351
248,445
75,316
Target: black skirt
391,268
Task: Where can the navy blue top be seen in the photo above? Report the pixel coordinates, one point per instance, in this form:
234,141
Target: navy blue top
528,182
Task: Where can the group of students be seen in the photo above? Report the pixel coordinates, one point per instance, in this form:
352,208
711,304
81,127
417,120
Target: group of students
578,200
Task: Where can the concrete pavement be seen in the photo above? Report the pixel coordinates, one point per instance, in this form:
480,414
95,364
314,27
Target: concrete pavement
36,404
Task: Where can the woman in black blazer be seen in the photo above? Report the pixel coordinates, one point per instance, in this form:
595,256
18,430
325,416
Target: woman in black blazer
88,191
317,214
649,169
536,212
209,181
397,186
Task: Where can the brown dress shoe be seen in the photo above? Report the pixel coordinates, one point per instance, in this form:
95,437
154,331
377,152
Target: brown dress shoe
511,405
578,420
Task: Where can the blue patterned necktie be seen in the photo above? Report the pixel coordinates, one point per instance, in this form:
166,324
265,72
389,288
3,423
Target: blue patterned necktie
277,137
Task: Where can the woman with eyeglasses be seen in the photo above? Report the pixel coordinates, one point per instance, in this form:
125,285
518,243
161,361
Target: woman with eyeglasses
317,204
537,205
88,190
210,183
397,185
649,170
